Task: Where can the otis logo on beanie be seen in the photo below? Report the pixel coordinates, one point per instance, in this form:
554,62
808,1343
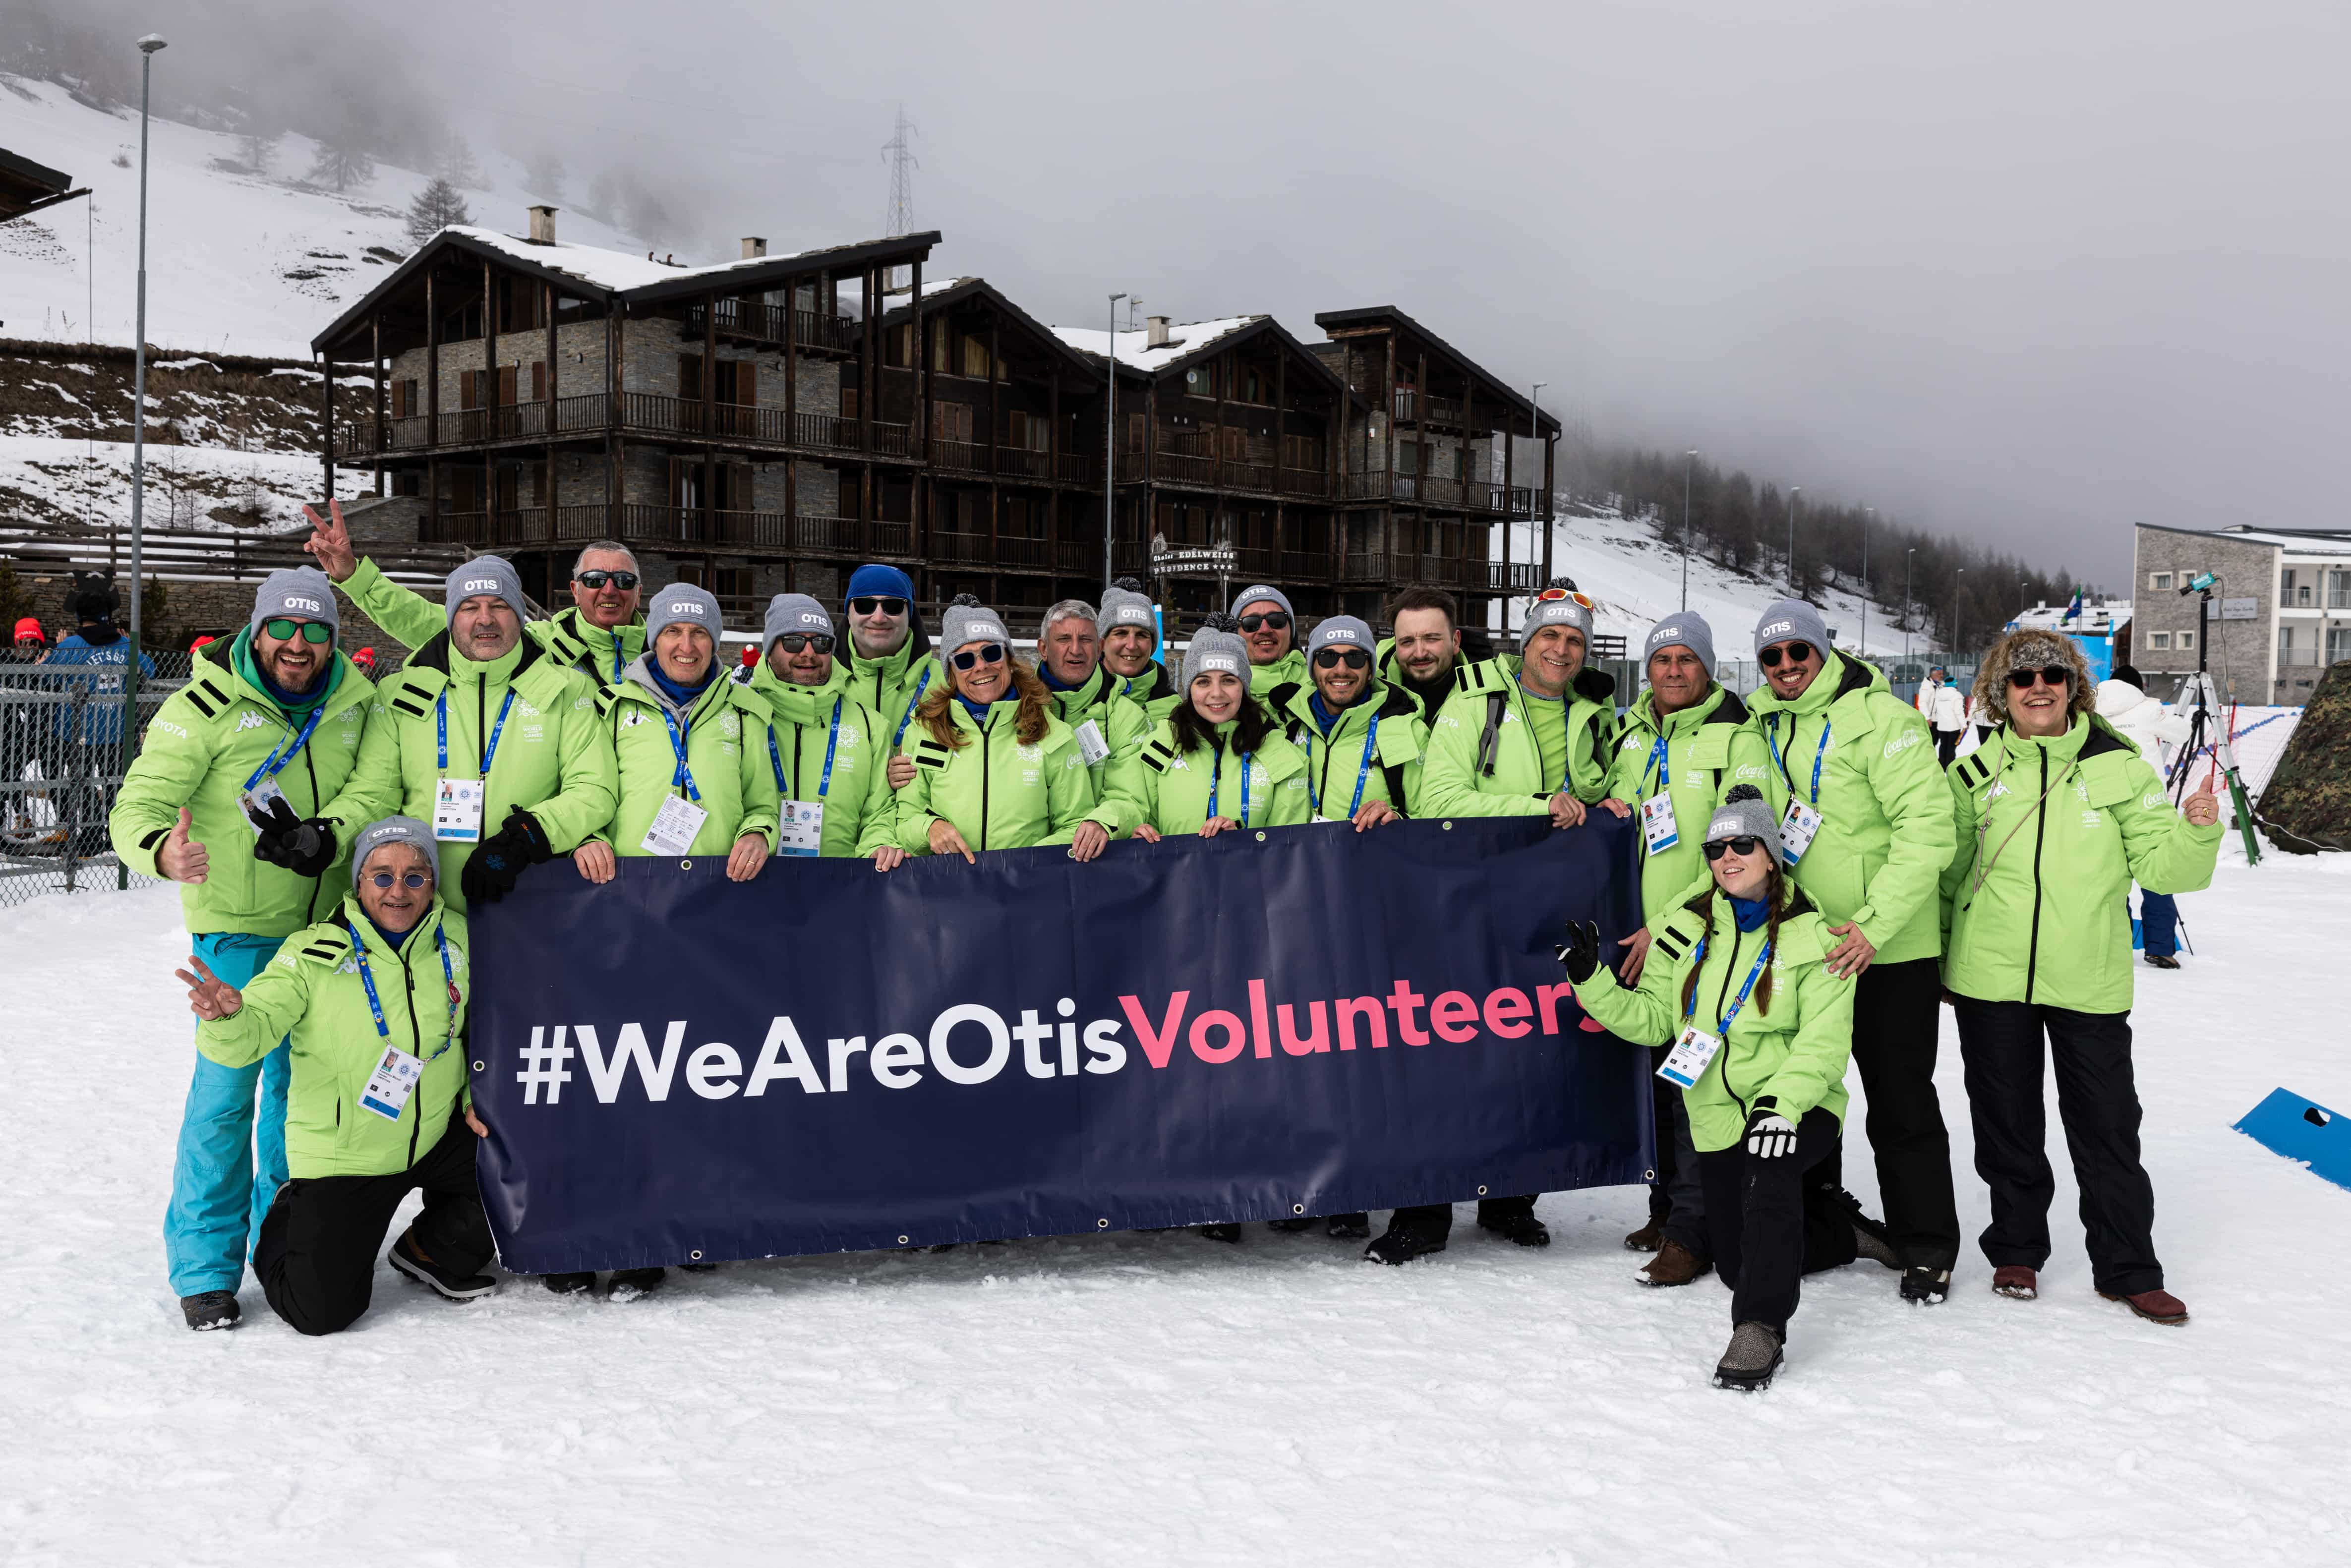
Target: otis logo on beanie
1777,630
482,585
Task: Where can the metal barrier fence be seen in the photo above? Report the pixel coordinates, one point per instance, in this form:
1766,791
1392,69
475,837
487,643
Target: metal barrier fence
64,745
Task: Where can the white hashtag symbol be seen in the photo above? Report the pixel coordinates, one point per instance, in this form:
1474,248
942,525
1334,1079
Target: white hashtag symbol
542,1063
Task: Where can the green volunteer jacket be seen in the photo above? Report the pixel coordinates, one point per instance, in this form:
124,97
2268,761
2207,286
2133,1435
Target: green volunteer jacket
890,685
2052,833
1511,782
1707,750
1176,786
1291,667
998,793
553,758
312,992
861,812
1122,727
568,637
204,743
1154,692
1793,1054
725,731
1393,774
1387,667
1886,810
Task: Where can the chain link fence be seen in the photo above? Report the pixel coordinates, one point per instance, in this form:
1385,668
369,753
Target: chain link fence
65,738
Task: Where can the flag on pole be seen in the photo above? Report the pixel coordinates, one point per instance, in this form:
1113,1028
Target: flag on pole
2073,610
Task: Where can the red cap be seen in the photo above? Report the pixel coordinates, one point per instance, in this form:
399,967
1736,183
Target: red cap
30,626
750,655
364,658
199,642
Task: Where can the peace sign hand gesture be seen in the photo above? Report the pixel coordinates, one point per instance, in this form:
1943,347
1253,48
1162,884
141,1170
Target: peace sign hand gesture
210,997
329,543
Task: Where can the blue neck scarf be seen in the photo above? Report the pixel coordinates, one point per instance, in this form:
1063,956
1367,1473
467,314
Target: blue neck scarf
682,695
1323,717
1753,914
1053,683
978,711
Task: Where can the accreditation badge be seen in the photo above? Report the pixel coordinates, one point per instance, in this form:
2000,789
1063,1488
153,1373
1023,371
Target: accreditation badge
1686,1063
390,1085
674,827
458,811
799,829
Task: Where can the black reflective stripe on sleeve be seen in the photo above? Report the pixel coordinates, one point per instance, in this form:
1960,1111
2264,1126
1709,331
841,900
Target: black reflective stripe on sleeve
198,699
929,753
152,840
1673,942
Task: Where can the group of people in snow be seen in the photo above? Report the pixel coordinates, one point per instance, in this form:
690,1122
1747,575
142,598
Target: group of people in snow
1814,884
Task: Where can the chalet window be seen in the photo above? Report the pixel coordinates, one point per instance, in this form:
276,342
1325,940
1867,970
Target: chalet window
2160,581
901,344
689,377
405,403
975,358
1301,451
951,422
1234,443
942,348
538,380
738,380
466,490
1030,432
1408,458
2187,640
1201,379
2159,642
849,403
1134,433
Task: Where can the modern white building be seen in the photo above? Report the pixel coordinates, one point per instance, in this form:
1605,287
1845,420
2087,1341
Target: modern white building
2281,608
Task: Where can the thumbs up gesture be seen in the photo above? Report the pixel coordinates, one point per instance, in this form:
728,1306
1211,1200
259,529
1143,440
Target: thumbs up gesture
179,857
2202,808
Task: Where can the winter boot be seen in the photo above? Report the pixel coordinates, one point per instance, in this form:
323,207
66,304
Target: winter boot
1648,1239
699,1268
628,1284
1225,1230
2154,1306
1514,1219
1349,1226
2163,960
406,1259
1403,1240
1870,1238
1923,1286
568,1284
1675,1264
2016,1282
1752,1358
211,1310
1289,1226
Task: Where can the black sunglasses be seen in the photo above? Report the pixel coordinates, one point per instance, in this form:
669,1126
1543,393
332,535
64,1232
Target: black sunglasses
1744,845
1273,618
414,879
1331,658
991,652
795,642
1796,653
283,628
2052,675
870,603
599,577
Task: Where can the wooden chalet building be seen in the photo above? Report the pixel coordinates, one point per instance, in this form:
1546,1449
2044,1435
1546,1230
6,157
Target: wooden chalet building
765,423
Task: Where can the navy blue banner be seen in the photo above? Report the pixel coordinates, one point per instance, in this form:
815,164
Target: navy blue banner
1308,1020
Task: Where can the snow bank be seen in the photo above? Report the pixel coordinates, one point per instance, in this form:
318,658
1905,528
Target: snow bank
1159,1398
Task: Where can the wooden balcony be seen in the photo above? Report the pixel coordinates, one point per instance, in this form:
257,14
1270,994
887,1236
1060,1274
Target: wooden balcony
1478,496
763,533
1189,471
1412,408
757,321
1400,568
643,415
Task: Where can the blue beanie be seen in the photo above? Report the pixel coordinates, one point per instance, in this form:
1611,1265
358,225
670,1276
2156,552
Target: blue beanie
878,582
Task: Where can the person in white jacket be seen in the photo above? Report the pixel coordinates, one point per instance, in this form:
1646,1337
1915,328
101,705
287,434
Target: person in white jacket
1945,708
2140,720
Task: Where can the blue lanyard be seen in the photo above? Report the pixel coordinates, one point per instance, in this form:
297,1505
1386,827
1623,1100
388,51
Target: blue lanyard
831,740
1658,761
1698,959
441,726
1363,772
441,941
1771,734
277,761
1215,778
907,718
681,775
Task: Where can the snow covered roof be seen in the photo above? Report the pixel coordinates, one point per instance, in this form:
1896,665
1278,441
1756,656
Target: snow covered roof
2299,541
1368,316
1135,350
897,306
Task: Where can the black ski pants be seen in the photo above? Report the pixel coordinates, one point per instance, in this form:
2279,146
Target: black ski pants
1773,1221
1894,1022
1677,1196
2098,1100
317,1253
1436,1219
1947,744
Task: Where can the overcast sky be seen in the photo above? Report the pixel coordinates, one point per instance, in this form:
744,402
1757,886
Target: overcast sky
2027,271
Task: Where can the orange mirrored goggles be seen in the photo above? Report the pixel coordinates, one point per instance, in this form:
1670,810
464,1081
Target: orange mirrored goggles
1570,595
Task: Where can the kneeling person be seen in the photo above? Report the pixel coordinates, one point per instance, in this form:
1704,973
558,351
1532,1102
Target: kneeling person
378,1105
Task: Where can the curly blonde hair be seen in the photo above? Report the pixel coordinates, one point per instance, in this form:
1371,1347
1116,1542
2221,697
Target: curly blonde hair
1028,725
2030,648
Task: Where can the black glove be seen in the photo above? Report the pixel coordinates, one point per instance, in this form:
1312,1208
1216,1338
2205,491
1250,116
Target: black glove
1580,953
304,848
498,861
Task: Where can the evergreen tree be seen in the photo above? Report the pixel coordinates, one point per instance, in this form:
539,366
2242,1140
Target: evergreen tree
342,164
436,207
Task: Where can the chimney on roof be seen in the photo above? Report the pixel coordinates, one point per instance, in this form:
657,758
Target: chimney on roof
542,225
1156,337
752,245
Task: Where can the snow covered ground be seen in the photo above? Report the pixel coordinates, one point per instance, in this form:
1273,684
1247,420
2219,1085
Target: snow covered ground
1159,1398
91,479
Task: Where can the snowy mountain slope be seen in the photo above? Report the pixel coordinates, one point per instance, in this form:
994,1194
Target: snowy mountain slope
1144,1399
238,263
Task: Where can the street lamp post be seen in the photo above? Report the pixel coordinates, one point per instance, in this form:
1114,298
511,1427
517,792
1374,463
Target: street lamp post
147,48
1957,573
1534,432
1866,512
1907,556
1110,451
1689,459
1793,491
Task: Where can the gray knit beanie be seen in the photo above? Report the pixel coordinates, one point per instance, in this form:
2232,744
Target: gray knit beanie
682,603
1217,645
1263,590
1123,603
1687,630
794,612
1792,621
1556,612
484,574
393,830
301,591
1743,814
967,619
1341,631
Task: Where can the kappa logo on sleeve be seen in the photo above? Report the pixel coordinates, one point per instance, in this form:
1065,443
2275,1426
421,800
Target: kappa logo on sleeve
251,720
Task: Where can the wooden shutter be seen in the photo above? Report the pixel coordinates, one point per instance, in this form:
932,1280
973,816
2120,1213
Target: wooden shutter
400,400
507,375
1134,433
466,397
538,380
849,403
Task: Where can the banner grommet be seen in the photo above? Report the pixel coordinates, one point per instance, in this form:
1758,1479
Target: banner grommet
686,865
481,1067
1102,1224
1260,837
698,1255
1297,1209
902,1241
1482,1190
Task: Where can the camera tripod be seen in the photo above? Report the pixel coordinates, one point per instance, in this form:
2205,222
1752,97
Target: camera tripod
2202,730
